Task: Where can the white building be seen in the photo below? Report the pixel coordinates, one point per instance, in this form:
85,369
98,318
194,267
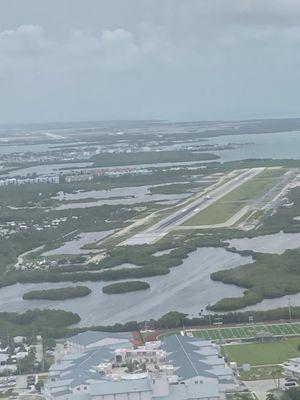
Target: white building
5,366
150,353
97,366
291,369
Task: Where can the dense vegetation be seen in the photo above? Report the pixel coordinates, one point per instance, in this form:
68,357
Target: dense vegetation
124,287
289,394
142,255
49,323
284,218
109,275
54,236
175,319
56,323
150,265
96,219
175,188
271,275
57,294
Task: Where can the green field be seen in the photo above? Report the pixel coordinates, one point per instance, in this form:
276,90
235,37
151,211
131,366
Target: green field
231,203
257,354
248,331
261,372
265,359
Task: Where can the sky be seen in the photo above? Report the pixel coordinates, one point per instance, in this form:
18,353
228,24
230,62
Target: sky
78,60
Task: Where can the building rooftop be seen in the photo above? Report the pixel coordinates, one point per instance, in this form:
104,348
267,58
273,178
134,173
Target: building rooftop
98,339
80,369
4,357
183,353
192,392
135,385
188,358
295,360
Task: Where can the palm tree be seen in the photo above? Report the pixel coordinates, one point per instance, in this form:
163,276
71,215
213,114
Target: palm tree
273,373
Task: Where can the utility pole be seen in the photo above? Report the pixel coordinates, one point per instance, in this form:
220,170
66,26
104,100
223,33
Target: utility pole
209,314
43,356
290,308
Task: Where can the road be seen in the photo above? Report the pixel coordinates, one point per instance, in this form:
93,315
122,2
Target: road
164,226
261,388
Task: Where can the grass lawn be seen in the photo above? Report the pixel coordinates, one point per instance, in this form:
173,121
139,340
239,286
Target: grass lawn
257,354
259,373
231,203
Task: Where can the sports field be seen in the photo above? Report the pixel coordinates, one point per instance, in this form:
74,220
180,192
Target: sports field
230,204
248,331
257,354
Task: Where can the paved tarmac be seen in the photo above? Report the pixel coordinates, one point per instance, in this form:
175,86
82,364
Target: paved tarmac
164,226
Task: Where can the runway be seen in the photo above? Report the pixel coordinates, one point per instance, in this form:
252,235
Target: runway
160,229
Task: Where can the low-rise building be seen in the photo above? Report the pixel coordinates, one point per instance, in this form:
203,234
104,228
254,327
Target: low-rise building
22,181
94,340
106,366
79,178
5,365
198,361
291,369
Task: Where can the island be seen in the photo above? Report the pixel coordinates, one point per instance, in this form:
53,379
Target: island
57,294
124,287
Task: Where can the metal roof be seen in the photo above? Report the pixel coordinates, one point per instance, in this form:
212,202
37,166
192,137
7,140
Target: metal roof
88,338
183,353
82,368
134,385
192,392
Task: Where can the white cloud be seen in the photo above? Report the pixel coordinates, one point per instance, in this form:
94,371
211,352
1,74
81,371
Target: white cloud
111,50
165,58
25,41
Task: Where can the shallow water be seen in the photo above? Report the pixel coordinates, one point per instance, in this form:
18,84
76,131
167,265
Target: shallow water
277,243
266,145
162,252
74,246
269,304
125,266
187,288
124,195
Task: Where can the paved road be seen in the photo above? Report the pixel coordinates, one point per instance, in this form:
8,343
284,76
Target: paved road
261,388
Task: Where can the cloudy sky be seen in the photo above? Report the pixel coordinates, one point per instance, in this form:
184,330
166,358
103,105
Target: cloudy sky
63,60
